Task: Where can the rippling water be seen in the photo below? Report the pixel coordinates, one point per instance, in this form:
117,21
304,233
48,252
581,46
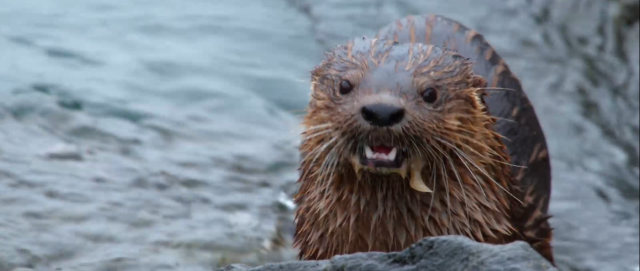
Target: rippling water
162,135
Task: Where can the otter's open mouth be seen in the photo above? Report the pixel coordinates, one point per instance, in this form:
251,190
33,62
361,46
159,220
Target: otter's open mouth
381,157
389,160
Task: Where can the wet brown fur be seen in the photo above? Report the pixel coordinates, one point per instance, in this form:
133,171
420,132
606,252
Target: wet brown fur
467,165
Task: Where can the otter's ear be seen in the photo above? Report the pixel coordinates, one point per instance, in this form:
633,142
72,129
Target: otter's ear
478,81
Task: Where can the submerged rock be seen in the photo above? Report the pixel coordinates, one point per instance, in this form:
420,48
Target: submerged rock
450,253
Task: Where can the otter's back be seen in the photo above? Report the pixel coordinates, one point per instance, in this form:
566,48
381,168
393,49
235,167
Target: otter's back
519,124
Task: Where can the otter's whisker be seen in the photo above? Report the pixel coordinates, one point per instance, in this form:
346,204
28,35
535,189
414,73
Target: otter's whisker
442,151
459,128
457,151
416,146
332,159
505,119
489,158
431,152
454,132
491,178
320,126
454,115
446,187
505,163
495,88
493,153
473,174
321,148
445,175
327,160
317,134
319,151
464,196
327,183
433,195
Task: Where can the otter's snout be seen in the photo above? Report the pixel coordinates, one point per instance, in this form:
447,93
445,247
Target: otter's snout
382,114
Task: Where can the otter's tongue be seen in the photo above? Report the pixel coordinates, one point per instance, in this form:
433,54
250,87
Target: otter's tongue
381,149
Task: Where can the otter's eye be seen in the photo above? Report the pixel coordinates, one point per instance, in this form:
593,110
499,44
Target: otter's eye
345,87
430,95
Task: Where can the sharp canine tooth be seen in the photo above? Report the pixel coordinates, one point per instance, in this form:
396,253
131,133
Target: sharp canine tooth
402,170
368,152
416,181
392,154
356,165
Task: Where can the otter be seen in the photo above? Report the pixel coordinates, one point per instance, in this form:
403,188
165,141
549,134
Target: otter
420,131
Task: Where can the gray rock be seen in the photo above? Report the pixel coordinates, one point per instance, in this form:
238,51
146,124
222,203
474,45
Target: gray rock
444,253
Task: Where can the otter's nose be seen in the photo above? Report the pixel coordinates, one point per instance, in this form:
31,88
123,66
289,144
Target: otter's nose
382,114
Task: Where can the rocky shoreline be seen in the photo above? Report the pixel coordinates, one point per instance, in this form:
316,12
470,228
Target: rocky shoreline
451,253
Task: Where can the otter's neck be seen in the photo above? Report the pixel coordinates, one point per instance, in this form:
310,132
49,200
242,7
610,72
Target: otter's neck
351,213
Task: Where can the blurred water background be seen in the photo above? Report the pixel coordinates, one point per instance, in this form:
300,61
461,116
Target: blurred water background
162,135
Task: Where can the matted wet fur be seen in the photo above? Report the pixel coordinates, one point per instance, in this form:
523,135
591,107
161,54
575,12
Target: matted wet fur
449,171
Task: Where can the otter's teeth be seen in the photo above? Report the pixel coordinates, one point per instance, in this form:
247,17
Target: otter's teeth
402,170
356,165
368,152
392,154
416,181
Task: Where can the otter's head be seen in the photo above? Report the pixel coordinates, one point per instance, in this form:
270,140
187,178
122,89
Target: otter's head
386,108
